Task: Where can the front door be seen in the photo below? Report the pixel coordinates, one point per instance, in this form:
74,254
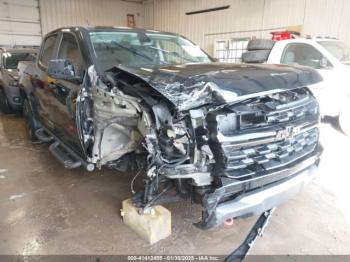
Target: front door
43,97
65,94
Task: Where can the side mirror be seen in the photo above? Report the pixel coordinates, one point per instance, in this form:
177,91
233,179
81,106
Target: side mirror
62,69
324,62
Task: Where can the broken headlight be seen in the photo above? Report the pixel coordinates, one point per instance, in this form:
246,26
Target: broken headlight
174,142
226,123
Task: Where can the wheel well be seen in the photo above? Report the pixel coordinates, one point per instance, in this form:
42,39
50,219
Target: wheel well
27,97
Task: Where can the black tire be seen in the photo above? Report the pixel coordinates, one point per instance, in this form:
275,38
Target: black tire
260,44
259,56
4,103
29,120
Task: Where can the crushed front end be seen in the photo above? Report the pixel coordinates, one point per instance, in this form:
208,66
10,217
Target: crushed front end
236,153
237,159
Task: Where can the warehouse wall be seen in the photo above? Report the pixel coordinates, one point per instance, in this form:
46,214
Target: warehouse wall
59,13
248,18
19,22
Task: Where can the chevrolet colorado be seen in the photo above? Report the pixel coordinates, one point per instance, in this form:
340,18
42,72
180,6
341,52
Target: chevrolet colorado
10,99
238,139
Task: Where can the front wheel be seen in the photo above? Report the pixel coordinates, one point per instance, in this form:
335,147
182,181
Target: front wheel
4,103
29,120
344,120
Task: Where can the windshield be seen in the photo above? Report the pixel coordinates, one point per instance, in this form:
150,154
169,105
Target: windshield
137,48
339,50
11,59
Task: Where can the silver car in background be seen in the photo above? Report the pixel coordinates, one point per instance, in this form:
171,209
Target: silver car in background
10,99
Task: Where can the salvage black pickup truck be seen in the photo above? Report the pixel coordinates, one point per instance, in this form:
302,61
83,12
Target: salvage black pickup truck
238,139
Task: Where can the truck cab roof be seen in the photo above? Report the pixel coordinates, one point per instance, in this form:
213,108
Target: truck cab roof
87,29
307,40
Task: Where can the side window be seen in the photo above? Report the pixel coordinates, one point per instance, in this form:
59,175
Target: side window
69,49
303,54
47,50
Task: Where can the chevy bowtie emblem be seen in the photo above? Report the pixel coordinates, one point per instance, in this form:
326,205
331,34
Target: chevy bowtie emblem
288,132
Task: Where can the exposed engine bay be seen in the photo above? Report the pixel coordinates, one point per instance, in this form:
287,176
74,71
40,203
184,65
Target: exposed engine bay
209,154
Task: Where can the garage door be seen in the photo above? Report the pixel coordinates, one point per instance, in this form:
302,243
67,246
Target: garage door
19,22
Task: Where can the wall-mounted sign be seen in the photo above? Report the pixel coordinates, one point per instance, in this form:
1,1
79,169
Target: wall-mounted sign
131,20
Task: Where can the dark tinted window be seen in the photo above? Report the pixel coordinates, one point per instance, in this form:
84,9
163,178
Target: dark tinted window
69,49
302,54
47,50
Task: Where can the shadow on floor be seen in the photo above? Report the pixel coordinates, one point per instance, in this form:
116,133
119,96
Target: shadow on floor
333,121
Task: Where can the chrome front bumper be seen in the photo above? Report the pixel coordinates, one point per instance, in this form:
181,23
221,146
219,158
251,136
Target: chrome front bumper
258,201
266,197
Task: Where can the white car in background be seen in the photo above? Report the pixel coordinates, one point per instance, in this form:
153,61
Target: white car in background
330,57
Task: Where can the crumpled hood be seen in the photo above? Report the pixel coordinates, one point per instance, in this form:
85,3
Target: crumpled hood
192,85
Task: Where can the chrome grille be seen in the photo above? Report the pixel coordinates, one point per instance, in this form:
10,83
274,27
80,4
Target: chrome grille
268,153
261,135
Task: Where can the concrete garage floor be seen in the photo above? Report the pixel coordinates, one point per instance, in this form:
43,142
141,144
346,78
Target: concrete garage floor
46,209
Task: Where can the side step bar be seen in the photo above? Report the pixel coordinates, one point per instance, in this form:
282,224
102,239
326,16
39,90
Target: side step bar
43,136
63,156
